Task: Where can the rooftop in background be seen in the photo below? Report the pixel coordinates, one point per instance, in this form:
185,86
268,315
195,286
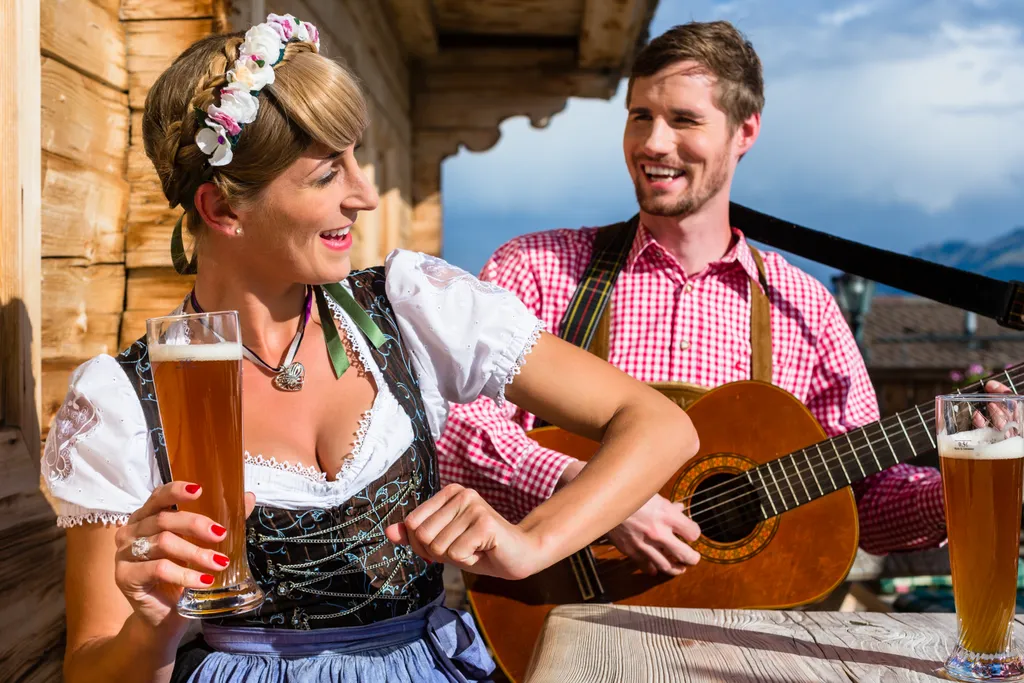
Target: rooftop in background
910,332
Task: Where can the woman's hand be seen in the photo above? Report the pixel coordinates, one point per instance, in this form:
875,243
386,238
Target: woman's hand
456,526
153,583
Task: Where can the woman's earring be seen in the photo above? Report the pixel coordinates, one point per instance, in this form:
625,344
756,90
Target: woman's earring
238,231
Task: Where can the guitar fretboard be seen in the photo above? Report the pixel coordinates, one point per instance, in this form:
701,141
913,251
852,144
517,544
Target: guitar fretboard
810,473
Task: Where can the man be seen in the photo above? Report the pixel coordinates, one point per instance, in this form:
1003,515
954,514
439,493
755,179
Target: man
682,305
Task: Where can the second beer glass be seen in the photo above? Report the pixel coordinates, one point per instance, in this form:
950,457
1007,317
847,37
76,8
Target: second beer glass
981,452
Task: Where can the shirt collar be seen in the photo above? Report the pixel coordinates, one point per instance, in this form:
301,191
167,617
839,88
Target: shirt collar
646,247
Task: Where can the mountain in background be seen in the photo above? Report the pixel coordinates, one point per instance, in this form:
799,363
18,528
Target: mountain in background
1001,258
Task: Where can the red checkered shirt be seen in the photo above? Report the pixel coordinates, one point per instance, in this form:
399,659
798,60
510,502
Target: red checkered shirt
669,326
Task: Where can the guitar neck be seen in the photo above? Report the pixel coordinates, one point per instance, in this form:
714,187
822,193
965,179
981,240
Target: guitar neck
808,474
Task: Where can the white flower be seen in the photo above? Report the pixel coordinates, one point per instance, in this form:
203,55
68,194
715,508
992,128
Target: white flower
302,33
262,41
237,103
213,141
249,73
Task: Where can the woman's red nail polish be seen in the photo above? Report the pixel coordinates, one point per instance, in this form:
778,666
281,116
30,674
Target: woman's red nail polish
192,488
218,530
206,578
222,560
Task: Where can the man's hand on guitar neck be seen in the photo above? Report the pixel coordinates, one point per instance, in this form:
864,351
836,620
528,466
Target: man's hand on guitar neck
652,535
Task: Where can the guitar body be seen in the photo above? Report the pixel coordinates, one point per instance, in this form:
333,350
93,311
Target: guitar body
792,559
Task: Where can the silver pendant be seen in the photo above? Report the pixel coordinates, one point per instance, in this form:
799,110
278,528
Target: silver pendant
291,377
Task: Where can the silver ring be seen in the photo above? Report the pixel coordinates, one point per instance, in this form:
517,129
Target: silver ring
141,548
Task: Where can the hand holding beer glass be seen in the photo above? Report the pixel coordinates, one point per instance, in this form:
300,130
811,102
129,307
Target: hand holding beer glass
197,370
981,452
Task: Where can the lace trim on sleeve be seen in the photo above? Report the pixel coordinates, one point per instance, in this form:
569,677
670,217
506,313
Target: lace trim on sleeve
531,341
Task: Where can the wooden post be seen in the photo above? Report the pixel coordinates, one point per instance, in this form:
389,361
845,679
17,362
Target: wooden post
31,566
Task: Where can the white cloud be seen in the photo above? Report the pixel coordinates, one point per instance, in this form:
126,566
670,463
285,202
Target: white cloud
847,14
926,124
926,131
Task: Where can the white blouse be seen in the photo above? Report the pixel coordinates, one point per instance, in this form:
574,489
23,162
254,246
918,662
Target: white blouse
466,338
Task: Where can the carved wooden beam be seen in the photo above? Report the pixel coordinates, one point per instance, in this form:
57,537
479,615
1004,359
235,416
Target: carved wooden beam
504,58
473,95
610,31
430,148
414,21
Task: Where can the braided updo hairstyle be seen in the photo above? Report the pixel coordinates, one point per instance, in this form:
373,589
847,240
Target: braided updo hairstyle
313,100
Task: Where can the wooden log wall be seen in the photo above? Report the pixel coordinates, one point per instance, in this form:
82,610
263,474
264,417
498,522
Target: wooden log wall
84,134
156,32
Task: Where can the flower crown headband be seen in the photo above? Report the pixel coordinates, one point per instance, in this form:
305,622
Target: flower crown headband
254,70
239,101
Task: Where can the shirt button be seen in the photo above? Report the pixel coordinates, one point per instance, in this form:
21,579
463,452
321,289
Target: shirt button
683,345
688,288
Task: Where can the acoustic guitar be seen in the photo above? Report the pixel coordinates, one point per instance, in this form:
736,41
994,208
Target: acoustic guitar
770,493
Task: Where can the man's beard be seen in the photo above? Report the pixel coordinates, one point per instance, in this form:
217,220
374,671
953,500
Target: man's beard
692,199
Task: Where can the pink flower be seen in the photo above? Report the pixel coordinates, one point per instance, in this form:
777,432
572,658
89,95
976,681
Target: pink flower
314,33
975,369
225,121
956,376
283,25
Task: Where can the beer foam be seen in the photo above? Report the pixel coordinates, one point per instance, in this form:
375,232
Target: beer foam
166,353
980,444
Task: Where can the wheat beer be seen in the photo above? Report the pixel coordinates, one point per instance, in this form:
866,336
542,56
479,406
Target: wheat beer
982,486
982,479
199,393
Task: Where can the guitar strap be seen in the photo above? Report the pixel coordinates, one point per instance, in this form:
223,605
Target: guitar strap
587,320
1001,301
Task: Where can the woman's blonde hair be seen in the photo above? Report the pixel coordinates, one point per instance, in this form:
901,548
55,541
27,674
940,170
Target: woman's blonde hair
313,100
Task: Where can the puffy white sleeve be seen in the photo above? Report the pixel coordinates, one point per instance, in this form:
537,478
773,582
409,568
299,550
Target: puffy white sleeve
98,464
467,338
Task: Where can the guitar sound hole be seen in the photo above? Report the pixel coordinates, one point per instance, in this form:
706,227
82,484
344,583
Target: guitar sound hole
726,508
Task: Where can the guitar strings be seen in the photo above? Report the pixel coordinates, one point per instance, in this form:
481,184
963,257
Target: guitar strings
800,471
918,429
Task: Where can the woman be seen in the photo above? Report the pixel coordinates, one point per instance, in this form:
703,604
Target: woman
254,136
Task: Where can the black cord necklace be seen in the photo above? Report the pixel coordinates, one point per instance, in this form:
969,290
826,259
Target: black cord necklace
291,374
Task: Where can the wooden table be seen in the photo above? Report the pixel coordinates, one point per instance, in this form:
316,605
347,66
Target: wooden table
592,643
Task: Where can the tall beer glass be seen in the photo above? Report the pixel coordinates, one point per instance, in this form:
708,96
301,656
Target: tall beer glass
981,452
197,369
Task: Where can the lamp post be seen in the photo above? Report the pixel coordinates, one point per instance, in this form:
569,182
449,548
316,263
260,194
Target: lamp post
853,294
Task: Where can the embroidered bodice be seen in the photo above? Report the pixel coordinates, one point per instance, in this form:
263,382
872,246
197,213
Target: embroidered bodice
317,546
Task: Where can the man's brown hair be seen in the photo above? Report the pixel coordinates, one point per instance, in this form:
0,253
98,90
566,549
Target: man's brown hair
720,51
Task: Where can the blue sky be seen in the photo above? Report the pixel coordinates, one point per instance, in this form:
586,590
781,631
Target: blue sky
898,123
